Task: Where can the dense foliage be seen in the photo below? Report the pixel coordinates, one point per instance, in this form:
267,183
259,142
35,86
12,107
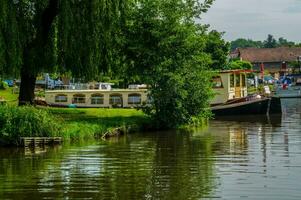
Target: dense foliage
38,35
218,49
168,51
239,64
155,42
270,42
16,122
3,85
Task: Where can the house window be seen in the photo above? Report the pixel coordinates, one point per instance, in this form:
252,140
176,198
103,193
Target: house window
79,98
243,80
237,80
115,99
217,82
96,99
232,80
134,99
61,98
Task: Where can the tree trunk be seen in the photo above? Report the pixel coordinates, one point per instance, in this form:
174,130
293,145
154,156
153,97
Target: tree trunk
32,56
27,87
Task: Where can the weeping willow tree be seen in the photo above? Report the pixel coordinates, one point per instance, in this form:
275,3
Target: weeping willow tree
38,35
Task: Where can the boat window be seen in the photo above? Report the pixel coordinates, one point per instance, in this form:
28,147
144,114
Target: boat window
243,80
232,80
115,99
217,82
79,98
237,80
97,99
134,99
61,98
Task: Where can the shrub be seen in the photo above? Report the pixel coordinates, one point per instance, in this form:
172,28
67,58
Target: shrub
3,85
16,122
238,64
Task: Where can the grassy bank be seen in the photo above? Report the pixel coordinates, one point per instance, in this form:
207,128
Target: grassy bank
89,123
74,124
71,124
16,122
9,96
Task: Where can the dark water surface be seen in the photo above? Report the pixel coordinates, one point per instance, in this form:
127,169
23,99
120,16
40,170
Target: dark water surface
251,158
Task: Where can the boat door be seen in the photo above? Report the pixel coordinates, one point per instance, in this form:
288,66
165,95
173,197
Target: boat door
238,86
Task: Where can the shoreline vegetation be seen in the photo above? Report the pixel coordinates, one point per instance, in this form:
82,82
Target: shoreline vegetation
72,124
157,43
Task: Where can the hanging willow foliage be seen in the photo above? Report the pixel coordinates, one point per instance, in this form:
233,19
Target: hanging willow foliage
10,47
77,35
86,31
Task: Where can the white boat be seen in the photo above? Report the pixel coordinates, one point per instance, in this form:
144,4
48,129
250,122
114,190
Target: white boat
96,95
231,96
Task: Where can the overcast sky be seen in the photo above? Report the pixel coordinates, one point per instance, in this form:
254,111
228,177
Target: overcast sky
255,19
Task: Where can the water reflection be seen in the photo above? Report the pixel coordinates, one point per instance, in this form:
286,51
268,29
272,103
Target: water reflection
256,158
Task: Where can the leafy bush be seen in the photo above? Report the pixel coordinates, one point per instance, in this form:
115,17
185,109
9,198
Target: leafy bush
238,64
16,122
3,85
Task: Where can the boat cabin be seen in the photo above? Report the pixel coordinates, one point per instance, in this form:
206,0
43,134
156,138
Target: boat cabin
92,98
229,85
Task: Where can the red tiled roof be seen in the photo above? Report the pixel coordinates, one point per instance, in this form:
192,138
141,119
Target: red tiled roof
281,54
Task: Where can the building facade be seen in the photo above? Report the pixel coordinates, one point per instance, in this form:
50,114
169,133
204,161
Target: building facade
274,60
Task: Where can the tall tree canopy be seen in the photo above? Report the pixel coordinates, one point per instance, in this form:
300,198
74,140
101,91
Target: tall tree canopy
157,42
167,50
40,34
270,42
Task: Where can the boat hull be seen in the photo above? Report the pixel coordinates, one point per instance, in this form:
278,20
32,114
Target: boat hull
253,107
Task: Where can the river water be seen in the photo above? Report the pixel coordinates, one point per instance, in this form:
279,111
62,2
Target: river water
250,158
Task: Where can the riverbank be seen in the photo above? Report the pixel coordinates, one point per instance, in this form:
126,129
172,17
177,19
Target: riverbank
91,123
70,124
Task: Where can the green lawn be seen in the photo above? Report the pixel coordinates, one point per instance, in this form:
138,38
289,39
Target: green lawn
9,96
81,123
88,123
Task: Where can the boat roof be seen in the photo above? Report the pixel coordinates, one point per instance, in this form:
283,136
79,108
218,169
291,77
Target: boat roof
96,91
237,71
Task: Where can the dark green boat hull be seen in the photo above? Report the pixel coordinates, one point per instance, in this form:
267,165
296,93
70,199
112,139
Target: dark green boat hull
258,107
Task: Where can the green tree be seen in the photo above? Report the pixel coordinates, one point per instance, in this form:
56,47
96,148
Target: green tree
238,64
166,49
282,42
244,43
38,34
218,49
270,42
